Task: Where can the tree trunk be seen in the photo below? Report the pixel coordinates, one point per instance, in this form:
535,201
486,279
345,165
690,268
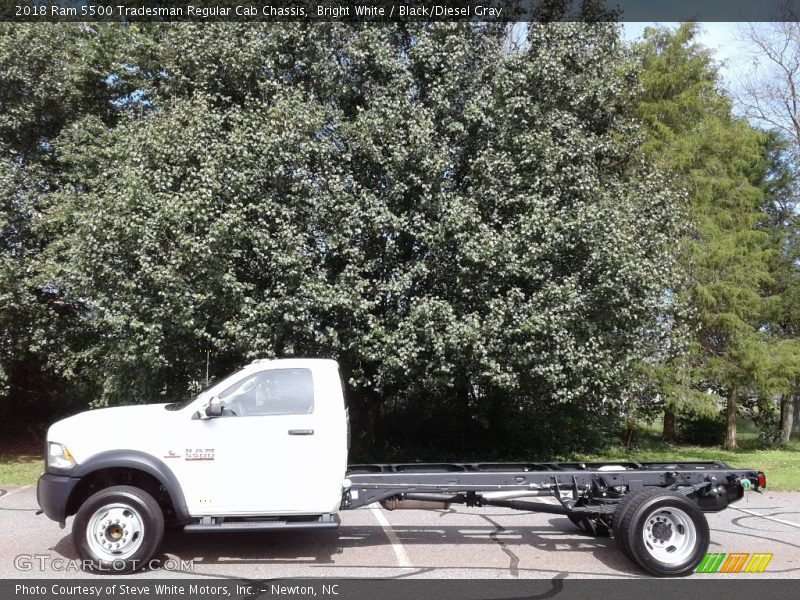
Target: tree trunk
371,425
630,424
668,433
730,421
787,418
796,412
462,394
631,430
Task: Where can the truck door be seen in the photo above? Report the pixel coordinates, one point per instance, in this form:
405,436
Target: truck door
273,450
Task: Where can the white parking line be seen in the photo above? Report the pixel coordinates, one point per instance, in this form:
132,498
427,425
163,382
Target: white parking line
397,547
19,489
777,520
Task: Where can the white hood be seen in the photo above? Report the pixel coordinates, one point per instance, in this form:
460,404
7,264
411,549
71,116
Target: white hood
128,427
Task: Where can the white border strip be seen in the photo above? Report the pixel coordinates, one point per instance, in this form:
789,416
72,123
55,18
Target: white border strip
397,547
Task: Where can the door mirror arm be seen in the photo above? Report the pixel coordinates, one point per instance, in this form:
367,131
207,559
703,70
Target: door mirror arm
212,410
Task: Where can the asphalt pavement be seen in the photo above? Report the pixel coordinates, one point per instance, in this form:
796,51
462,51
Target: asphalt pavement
371,542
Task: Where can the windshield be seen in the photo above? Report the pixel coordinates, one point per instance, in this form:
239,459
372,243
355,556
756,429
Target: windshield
184,403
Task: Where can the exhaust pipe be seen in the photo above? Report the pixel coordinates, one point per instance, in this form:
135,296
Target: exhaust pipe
417,503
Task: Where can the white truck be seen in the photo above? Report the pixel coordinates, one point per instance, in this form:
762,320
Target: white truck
266,449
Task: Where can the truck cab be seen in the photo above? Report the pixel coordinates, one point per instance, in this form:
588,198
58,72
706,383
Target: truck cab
267,441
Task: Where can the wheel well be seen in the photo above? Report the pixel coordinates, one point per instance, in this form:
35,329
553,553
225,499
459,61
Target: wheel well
105,478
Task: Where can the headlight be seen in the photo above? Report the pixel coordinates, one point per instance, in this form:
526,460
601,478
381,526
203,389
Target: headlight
59,457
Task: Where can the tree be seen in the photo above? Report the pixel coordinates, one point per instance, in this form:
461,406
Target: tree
466,230
50,77
769,96
721,162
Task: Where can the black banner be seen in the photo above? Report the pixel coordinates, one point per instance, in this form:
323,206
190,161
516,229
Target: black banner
397,10
400,589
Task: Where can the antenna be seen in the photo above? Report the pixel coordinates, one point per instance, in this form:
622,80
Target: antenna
208,358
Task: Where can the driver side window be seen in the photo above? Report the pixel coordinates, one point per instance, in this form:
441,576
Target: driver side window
272,392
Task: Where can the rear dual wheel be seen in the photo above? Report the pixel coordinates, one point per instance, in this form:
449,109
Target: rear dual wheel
661,530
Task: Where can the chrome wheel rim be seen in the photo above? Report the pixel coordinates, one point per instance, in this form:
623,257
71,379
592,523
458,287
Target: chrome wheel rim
115,532
669,535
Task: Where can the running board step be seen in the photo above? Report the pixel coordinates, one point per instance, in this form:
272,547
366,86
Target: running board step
324,522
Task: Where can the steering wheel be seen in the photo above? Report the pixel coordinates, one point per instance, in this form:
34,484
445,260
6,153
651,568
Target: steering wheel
236,408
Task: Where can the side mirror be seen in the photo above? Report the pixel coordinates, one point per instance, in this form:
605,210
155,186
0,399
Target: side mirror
214,408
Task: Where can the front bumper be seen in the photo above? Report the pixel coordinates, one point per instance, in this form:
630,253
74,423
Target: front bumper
52,494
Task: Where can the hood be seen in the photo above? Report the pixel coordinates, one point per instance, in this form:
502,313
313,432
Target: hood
118,427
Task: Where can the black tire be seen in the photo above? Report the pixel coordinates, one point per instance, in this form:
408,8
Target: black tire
118,530
624,506
664,532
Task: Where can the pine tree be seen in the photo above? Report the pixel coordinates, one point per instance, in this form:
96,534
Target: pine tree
721,162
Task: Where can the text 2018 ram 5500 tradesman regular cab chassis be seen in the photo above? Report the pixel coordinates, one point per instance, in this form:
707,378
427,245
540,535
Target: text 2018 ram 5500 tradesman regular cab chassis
266,449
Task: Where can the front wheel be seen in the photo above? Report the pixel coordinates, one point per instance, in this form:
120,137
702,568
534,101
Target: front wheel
118,529
665,533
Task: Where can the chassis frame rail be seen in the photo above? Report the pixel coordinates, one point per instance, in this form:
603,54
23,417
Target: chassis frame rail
591,489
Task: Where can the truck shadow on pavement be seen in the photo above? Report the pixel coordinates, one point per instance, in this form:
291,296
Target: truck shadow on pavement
525,548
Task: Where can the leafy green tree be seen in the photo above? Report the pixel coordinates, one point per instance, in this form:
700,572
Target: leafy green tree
469,231
780,221
722,163
768,96
50,77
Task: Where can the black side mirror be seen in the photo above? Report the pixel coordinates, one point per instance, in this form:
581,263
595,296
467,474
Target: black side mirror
214,408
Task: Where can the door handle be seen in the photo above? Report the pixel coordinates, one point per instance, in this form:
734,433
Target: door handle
301,432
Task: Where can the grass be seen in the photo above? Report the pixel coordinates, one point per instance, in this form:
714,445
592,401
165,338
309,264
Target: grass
782,465
21,461
19,470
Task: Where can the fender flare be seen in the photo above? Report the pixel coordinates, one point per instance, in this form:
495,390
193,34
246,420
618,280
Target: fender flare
141,461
